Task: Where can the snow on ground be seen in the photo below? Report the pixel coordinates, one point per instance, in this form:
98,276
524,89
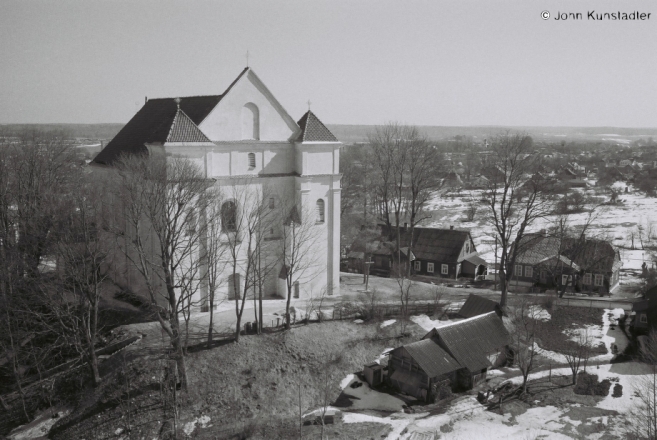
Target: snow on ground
39,427
201,421
428,324
398,421
539,313
346,381
383,355
629,375
388,322
358,321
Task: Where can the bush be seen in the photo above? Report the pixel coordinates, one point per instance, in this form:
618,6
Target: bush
588,385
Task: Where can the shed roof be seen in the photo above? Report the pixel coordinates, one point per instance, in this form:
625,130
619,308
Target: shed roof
477,305
470,340
431,358
433,244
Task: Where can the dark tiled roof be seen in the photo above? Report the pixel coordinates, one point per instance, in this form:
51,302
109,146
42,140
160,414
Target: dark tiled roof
152,123
478,305
470,340
476,260
442,245
183,129
312,129
431,358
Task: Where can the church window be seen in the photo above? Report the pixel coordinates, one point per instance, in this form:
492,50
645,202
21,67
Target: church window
250,122
251,161
320,211
229,216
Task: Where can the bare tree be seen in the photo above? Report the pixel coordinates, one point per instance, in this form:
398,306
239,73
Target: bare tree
524,322
643,415
577,354
160,200
84,253
299,236
472,206
517,196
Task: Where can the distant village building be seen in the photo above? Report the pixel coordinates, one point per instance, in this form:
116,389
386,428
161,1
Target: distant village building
246,137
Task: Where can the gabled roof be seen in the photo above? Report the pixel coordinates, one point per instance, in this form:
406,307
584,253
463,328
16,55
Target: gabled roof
442,245
431,358
477,305
313,130
470,340
183,129
152,123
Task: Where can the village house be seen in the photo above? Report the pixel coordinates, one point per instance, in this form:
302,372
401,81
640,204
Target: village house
443,253
582,265
455,356
245,138
643,317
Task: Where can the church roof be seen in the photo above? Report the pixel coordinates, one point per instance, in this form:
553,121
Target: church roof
183,129
154,123
313,130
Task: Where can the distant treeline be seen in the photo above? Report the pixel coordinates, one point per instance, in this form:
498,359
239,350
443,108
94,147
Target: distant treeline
90,131
349,134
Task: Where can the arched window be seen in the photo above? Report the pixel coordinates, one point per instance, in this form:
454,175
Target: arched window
251,161
229,216
320,211
250,122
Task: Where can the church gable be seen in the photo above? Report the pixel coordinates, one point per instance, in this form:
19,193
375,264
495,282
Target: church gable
248,111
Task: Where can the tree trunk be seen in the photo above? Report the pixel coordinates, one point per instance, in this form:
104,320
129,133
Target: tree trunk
211,317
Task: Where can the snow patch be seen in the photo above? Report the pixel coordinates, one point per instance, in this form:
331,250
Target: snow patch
388,322
539,313
201,421
358,321
346,381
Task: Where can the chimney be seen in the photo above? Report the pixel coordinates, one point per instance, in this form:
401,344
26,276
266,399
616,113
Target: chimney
451,227
145,99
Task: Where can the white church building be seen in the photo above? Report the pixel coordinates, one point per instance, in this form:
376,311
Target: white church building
245,137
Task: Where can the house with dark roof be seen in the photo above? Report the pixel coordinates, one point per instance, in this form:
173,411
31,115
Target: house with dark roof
477,305
244,137
444,253
577,264
456,355
643,317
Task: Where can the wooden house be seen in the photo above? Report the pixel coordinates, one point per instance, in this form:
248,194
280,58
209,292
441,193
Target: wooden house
583,265
643,317
457,356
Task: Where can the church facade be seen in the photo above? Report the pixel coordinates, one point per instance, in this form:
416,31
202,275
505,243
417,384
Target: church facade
244,139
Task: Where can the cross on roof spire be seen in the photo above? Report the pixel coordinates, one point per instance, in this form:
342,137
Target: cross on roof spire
309,104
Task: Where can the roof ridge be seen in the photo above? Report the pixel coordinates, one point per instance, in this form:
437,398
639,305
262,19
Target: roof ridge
452,324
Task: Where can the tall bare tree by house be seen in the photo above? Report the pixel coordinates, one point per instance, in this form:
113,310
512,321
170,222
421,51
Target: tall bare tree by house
297,251
160,200
523,326
408,171
517,195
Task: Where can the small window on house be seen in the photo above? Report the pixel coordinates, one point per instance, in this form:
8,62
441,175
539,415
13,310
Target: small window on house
430,267
251,161
417,266
467,248
529,271
518,270
320,211
543,276
644,318
598,280
272,203
444,269
566,280
587,279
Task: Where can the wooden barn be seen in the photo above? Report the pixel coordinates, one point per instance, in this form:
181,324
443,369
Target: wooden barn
457,355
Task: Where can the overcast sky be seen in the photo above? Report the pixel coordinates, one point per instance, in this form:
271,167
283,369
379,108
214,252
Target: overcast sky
359,62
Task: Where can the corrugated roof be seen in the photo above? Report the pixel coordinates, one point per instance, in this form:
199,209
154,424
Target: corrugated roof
477,305
431,358
313,130
152,123
470,340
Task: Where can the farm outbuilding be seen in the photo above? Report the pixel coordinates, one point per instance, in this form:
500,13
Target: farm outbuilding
477,305
373,374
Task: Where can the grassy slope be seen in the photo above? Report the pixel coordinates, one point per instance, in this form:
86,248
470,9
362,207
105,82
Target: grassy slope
256,380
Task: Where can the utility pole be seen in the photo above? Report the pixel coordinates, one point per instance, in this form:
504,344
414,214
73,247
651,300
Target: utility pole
366,271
